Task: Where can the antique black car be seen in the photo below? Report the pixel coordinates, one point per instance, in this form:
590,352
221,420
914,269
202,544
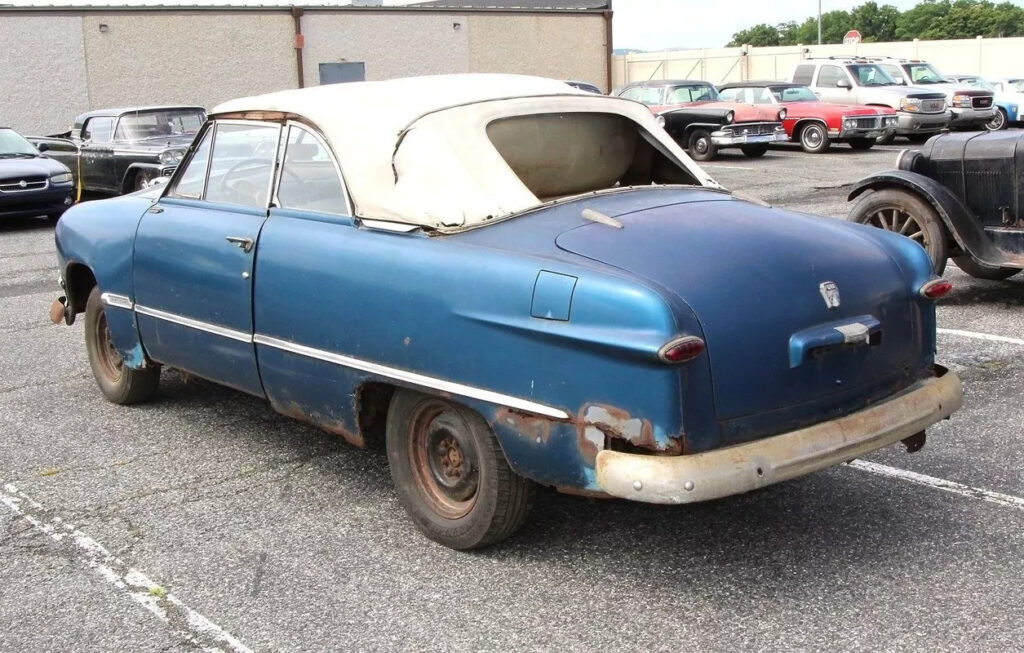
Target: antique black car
30,184
115,151
960,196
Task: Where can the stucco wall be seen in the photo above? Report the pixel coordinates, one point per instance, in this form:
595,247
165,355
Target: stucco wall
193,58
563,47
42,73
391,45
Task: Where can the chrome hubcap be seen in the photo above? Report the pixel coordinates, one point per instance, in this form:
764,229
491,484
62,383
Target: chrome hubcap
812,136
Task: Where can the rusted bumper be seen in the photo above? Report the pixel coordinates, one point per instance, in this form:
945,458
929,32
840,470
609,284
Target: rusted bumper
745,467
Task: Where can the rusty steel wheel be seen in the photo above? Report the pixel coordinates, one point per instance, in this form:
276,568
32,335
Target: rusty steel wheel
451,474
119,383
906,214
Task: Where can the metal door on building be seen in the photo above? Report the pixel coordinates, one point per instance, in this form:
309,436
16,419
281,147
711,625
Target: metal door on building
345,71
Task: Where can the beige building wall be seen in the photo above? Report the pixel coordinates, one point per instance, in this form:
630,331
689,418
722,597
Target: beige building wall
991,57
42,73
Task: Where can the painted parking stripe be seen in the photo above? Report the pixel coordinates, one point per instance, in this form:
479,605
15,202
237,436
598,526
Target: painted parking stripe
193,626
1005,500
980,336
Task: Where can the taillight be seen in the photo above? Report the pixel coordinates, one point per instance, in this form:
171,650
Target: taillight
936,289
681,350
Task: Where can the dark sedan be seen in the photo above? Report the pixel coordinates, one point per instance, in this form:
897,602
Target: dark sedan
31,184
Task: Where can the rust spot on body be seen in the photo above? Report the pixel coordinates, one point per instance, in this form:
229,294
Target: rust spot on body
331,425
535,427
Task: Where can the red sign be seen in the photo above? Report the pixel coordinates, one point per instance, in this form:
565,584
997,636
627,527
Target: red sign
853,36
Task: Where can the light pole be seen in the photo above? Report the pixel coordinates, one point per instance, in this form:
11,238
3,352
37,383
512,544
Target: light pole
819,22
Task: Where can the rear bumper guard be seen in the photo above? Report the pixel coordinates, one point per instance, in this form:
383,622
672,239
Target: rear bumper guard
745,467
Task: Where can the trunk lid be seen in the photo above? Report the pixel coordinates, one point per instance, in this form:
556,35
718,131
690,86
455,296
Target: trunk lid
752,276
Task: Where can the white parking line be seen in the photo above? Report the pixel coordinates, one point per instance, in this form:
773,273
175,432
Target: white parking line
1004,500
196,628
722,167
980,336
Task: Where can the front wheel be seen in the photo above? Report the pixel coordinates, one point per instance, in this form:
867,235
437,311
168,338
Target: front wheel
979,270
998,121
814,138
886,138
908,215
118,382
755,151
450,473
700,146
862,143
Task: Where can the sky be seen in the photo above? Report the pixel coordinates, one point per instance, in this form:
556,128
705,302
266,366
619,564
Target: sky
664,24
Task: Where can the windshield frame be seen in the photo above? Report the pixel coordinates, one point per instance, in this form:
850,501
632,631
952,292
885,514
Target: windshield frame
124,130
17,139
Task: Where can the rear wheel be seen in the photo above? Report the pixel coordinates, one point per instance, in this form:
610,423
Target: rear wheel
862,143
754,151
118,382
998,121
450,473
908,215
977,269
700,146
814,138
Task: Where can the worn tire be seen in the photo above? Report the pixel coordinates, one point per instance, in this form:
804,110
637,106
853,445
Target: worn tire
980,270
875,209
862,143
699,145
998,122
814,138
418,426
755,151
118,383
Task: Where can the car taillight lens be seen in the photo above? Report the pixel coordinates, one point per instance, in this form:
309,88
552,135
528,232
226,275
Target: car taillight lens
681,350
936,289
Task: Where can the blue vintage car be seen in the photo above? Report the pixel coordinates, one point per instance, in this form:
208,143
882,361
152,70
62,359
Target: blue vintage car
513,283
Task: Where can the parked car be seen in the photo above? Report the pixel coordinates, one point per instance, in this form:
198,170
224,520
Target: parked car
583,86
921,113
958,197
813,123
1008,99
517,283
30,184
972,107
696,117
116,151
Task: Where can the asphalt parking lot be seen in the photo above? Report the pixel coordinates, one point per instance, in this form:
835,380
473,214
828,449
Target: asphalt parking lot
204,519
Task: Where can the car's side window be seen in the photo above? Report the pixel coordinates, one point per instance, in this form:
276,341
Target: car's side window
804,74
731,95
309,179
829,76
894,71
98,129
242,163
632,93
193,177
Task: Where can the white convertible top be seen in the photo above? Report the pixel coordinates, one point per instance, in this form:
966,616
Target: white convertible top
417,151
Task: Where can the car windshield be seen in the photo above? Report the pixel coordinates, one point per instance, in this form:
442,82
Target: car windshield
977,82
1016,84
159,124
691,93
793,94
924,73
870,75
13,145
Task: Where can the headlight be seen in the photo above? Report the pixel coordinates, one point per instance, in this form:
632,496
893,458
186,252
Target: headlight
169,157
890,121
962,101
660,119
729,117
849,124
782,114
61,178
910,104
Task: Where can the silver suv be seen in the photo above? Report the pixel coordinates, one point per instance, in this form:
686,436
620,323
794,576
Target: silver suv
972,107
847,80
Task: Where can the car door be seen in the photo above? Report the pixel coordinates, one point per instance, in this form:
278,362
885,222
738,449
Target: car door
97,154
194,255
829,76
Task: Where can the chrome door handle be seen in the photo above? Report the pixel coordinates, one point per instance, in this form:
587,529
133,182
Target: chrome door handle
244,243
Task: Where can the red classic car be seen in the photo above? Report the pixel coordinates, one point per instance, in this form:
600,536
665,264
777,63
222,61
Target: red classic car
696,117
813,123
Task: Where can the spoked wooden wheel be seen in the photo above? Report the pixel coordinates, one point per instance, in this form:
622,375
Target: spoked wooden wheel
906,214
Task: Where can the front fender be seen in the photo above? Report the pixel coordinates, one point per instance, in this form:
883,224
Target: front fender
961,222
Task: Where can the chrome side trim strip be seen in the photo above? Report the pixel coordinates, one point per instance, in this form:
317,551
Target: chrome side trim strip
195,324
413,377
113,299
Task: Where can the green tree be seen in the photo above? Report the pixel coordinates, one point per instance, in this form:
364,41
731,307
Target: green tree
759,35
875,23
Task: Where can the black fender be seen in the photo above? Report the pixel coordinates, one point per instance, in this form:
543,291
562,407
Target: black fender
959,220
127,180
